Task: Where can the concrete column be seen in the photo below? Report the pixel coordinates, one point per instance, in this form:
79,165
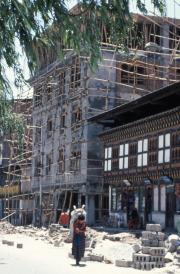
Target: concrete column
90,208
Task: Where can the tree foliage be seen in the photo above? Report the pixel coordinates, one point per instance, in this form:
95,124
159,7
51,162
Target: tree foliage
44,22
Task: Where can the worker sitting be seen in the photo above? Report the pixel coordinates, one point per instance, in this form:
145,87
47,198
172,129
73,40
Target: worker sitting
64,219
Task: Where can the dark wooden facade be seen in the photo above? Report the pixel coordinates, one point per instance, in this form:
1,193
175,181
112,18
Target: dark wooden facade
142,157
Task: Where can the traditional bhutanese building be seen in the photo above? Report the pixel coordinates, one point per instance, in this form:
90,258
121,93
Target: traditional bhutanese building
141,144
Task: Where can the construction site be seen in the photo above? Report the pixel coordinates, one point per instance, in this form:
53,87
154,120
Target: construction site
62,165
62,159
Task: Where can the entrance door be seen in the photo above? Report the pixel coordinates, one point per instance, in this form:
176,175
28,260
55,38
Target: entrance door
170,208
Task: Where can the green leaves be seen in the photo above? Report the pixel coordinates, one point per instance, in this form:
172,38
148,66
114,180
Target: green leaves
50,25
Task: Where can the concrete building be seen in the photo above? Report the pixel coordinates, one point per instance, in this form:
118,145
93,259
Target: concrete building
67,159
15,168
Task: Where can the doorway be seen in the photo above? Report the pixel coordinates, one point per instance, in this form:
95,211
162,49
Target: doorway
170,209
148,205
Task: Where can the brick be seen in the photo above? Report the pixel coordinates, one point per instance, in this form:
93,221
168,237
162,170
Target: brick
153,227
19,245
149,227
123,263
10,243
146,249
160,264
157,259
145,242
141,257
157,251
161,244
97,258
137,265
86,258
152,243
161,236
148,265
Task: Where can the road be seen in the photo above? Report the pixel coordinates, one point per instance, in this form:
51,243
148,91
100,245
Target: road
37,257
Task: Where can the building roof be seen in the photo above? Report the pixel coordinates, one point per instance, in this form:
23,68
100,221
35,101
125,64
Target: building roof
156,102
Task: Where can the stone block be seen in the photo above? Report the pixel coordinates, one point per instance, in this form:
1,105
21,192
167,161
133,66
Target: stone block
146,249
96,257
145,242
148,265
150,235
161,236
57,243
154,243
85,259
136,248
10,243
153,227
161,244
123,263
160,264
157,259
137,265
141,257
4,242
157,251
19,245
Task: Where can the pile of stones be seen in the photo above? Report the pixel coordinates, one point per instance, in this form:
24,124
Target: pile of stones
153,249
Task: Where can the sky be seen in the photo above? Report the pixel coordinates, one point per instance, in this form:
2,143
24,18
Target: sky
173,10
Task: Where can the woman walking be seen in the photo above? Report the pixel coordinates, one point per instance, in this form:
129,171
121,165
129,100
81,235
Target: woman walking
78,245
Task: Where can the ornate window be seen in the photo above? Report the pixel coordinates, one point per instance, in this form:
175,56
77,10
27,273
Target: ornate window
123,156
108,159
142,153
164,148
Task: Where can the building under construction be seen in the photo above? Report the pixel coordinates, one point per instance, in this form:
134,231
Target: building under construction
67,158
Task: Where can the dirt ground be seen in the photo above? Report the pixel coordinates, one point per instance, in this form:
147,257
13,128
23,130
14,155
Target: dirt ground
47,251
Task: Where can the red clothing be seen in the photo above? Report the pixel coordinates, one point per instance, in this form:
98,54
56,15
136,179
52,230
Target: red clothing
64,218
79,228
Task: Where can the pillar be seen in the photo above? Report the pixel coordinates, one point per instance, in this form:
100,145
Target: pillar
90,209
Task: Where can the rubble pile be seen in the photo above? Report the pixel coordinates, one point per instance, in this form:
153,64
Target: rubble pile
7,228
152,254
122,249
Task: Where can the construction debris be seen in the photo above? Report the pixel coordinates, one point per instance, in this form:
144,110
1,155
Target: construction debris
118,249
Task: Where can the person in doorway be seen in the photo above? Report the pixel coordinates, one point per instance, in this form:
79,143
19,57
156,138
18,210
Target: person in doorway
134,219
78,244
